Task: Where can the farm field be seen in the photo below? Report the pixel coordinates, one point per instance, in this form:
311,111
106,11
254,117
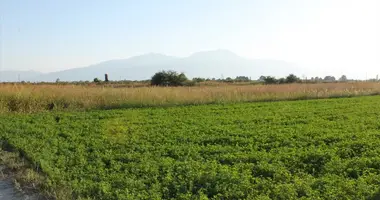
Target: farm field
29,98
312,149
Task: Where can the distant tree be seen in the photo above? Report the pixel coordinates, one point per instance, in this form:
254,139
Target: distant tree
292,78
329,78
169,78
261,79
270,80
229,79
198,79
97,80
343,78
57,81
242,78
282,81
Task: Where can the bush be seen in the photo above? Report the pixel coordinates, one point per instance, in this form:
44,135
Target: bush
242,79
199,80
270,80
292,78
97,80
168,78
229,80
282,81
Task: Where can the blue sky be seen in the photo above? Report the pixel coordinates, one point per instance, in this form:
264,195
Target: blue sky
324,36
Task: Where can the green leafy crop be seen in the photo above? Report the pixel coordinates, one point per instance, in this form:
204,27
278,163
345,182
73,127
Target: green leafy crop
315,149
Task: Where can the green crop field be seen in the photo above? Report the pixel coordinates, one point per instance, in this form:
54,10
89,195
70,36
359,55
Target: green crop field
314,149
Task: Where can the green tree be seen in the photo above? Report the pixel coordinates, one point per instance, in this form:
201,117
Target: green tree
169,78
198,79
229,80
282,81
329,78
242,79
292,78
97,80
270,80
261,79
343,78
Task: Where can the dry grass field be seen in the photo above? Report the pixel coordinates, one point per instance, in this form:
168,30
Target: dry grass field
28,98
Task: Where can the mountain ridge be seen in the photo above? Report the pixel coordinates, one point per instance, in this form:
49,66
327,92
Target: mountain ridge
208,64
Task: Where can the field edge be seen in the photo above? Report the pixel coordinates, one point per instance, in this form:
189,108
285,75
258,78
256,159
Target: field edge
27,178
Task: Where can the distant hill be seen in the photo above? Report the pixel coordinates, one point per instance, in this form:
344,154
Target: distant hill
207,64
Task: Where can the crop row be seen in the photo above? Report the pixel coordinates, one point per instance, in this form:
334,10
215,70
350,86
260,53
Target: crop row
315,149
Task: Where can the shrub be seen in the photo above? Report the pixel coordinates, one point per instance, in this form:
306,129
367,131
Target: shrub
292,78
168,78
97,80
282,81
199,80
242,79
270,80
229,80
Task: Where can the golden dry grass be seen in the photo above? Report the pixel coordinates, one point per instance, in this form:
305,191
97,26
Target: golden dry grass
33,98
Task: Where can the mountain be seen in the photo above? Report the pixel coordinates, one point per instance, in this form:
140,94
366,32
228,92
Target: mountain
13,76
135,68
208,64
223,63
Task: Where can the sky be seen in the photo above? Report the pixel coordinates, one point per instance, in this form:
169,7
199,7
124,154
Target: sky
323,36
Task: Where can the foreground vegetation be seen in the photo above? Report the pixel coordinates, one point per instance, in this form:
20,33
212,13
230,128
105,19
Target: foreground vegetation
28,98
314,149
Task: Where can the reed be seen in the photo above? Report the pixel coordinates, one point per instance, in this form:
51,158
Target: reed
27,98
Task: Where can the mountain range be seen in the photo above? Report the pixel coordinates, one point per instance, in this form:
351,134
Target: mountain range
206,64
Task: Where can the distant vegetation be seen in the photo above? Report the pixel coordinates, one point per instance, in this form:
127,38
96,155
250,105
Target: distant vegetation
169,88
272,80
27,98
169,78
173,78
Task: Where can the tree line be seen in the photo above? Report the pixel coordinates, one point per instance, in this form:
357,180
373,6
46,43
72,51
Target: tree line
173,78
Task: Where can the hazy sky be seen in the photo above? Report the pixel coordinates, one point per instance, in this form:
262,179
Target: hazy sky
325,36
